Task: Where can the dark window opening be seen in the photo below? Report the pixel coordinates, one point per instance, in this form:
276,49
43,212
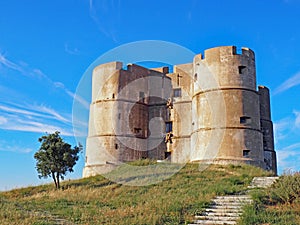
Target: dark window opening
245,120
113,95
195,76
137,130
177,92
246,153
168,155
169,127
116,146
142,96
178,79
242,69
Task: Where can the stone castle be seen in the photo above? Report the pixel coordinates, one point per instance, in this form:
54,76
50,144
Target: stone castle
209,110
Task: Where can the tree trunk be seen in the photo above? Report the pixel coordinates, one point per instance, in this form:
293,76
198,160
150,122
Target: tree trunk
53,176
57,180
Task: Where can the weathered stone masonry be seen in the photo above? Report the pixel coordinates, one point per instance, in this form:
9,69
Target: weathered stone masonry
209,110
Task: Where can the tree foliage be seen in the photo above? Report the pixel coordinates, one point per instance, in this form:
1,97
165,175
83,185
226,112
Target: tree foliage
55,157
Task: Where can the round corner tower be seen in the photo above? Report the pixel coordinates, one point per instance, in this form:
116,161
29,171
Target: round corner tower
226,108
101,137
267,129
126,116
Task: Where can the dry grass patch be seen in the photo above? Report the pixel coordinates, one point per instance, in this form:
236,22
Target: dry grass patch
97,200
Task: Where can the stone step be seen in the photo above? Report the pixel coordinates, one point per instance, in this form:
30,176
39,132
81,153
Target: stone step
240,203
231,214
215,222
233,197
224,211
226,206
228,201
219,218
262,182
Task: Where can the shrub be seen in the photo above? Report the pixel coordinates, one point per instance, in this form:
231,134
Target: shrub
287,189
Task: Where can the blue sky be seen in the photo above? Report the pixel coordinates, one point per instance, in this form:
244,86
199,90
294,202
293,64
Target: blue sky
46,47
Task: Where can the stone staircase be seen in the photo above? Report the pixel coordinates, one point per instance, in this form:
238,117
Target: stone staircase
228,209
262,182
223,210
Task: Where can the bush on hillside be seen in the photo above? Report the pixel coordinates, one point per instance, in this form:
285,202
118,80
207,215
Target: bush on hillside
287,189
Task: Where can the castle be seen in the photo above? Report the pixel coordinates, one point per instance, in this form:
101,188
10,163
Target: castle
209,110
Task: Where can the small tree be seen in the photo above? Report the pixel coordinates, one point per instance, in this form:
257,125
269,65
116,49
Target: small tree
55,157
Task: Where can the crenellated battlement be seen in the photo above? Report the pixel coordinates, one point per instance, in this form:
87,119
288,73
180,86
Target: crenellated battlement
225,51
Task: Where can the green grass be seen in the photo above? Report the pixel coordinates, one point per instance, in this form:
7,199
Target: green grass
277,205
97,200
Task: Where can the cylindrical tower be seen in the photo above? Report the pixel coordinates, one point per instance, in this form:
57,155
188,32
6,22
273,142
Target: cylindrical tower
267,129
225,108
127,116
101,140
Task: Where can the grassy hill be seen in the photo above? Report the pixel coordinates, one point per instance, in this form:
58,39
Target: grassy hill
97,200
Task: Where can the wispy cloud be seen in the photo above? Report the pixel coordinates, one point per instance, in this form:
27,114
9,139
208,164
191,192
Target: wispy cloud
282,128
20,116
37,74
5,62
7,147
108,10
34,118
289,83
40,111
71,51
289,156
79,99
286,139
3,120
297,120
18,149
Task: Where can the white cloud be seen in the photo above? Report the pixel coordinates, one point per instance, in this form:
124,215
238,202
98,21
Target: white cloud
286,133
33,118
289,157
37,127
24,69
4,61
71,51
297,120
51,112
5,146
42,118
285,127
3,120
34,111
79,99
289,83
281,129
108,9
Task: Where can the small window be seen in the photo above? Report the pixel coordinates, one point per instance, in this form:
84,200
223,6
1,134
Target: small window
242,69
137,130
246,153
245,120
113,96
142,96
169,127
195,76
168,155
177,92
116,146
